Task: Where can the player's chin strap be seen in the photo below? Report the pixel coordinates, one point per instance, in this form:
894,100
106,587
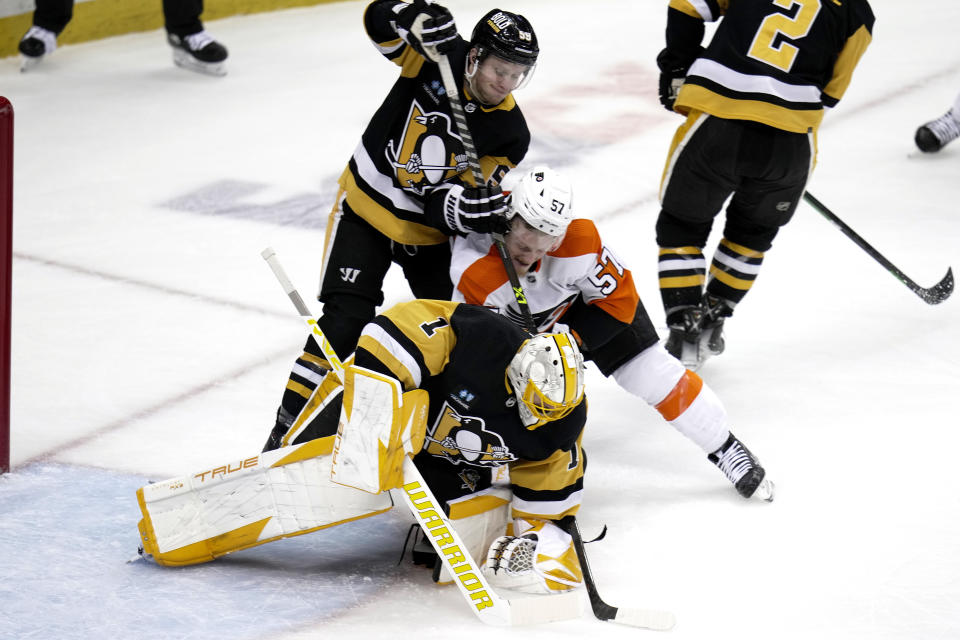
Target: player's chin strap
430,515
452,88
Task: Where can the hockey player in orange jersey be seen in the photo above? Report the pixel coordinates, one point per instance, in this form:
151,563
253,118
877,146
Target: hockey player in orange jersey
569,276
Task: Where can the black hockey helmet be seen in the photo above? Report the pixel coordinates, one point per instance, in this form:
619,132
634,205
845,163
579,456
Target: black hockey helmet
506,35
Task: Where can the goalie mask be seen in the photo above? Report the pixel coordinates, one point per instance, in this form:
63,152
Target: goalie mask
546,375
544,199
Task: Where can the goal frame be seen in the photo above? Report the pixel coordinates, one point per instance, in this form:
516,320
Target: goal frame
6,279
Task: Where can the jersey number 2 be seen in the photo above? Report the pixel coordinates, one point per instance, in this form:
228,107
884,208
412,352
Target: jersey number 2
770,42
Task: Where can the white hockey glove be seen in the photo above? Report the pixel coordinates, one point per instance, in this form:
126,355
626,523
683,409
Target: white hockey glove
478,209
437,31
541,559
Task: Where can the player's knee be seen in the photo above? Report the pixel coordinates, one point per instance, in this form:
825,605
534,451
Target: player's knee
758,237
344,317
674,230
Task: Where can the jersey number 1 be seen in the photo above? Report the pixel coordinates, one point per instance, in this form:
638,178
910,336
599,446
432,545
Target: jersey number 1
770,42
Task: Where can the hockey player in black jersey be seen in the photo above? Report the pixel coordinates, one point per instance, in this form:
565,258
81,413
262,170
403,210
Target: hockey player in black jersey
497,398
754,98
408,186
193,48
491,419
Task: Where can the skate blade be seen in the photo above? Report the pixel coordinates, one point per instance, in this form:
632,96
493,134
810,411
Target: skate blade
700,352
690,355
28,62
185,61
765,490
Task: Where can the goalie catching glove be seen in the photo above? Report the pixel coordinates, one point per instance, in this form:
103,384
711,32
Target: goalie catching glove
438,30
539,559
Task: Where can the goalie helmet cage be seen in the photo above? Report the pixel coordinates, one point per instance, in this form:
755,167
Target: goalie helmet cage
6,265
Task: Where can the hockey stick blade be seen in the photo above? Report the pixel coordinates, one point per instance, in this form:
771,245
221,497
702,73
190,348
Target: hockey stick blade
652,619
938,292
934,295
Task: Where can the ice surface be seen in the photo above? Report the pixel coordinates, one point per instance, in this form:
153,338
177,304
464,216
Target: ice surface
150,339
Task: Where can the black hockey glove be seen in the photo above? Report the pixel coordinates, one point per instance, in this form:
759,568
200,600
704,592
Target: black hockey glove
479,209
670,83
672,75
673,72
439,29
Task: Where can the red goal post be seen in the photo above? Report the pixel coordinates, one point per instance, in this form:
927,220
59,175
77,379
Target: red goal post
6,266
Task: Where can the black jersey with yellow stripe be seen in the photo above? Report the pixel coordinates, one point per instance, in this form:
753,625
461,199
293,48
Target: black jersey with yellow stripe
412,144
459,354
778,62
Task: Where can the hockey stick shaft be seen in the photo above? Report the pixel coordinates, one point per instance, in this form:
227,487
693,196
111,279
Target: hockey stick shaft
429,513
643,618
326,348
460,119
452,89
933,295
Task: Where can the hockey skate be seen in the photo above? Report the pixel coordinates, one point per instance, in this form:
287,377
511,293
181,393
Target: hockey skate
696,333
199,52
743,470
683,343
713,312
35,44
935,134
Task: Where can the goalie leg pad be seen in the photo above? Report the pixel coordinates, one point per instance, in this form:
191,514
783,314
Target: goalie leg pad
245,503
317,418
479,519
379,425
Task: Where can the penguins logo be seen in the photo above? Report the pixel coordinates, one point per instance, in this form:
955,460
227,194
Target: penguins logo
463,439
471,479
428,151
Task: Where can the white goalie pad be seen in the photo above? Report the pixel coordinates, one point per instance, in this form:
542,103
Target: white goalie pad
245,503
379,425
480,518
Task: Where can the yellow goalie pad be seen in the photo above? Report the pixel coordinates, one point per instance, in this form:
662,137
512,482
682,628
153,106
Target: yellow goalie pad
379,425
277,494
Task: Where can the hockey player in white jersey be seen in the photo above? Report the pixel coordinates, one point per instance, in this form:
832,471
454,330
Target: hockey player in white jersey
569,276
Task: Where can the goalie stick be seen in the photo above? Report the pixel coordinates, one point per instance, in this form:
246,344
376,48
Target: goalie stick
934,295
643,618
452,89
490,607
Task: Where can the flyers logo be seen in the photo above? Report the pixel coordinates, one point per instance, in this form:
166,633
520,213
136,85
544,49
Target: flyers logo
463,439
428,151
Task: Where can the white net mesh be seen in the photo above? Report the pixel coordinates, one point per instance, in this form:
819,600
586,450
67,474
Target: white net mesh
518,556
